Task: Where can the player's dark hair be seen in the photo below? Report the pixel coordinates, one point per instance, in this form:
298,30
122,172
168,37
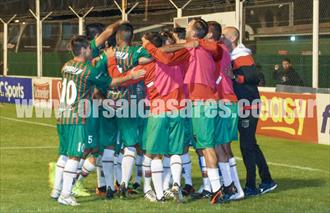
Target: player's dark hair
125,32
287,60
155,38
180,31
94,29
78,42
215,29
166,36
112,40
200,27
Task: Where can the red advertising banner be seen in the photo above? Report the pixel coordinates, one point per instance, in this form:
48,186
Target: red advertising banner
56,89
287,115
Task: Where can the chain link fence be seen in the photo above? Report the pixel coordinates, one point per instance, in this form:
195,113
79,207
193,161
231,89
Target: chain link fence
282,30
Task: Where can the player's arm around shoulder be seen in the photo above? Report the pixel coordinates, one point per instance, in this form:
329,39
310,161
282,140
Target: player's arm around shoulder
176,55
213,47
117,77
97,74
142,55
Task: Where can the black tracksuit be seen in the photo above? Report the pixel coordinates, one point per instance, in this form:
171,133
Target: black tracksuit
251,152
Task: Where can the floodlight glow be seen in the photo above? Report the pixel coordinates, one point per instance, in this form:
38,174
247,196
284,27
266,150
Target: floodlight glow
292,38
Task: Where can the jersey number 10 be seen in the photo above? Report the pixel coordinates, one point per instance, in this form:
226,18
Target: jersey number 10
69,92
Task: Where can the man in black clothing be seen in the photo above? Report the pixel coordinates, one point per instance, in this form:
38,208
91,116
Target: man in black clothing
245,87
287,76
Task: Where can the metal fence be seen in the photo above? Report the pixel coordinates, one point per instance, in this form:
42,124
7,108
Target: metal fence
276,30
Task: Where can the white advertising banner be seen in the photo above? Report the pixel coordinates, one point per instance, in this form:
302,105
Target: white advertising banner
323,118
41,89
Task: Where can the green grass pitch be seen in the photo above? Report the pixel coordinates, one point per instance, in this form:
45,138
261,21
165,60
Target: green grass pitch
301,170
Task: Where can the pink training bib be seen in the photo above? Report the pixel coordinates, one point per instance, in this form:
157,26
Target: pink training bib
168,78
201,68
226,83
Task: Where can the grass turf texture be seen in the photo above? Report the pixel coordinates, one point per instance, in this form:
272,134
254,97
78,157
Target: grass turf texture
24,176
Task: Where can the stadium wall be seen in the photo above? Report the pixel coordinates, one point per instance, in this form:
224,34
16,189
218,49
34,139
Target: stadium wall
277,116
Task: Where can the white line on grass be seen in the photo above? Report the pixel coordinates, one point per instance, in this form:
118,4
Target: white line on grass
28,122
53,147
293,166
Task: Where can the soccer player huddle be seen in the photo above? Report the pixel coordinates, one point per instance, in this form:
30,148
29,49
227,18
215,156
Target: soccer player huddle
190,81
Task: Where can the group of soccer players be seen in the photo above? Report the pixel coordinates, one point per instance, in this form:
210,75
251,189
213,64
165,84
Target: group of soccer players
202,68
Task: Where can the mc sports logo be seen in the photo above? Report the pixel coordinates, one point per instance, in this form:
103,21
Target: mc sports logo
11,91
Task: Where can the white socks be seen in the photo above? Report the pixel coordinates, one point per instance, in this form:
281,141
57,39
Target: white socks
167,173
176,168
127,164
146,174
187,169
213,174
225,171
138,169
118,161
87,168
80,165
157,176
206,181
108,168
59,172
99,172
234,175
69,174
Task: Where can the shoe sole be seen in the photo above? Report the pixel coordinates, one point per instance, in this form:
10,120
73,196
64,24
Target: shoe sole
215,198
269,190
67,204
